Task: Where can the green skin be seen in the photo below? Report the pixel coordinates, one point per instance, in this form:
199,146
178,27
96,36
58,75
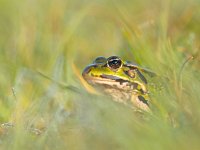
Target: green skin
124,83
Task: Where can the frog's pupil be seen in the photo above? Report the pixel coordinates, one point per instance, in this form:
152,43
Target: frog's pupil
114,63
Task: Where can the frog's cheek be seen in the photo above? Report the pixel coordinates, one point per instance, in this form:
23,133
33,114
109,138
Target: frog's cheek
143,100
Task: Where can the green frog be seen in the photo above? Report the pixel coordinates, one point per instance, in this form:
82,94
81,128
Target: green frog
124,81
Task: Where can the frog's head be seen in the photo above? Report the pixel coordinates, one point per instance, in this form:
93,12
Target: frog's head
113,72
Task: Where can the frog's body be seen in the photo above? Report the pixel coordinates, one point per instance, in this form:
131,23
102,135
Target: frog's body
124,81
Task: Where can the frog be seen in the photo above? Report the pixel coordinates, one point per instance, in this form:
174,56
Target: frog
123,81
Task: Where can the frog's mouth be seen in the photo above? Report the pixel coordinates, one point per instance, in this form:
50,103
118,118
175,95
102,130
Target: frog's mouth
110,81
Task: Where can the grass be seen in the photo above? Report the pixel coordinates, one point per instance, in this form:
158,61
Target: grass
50,37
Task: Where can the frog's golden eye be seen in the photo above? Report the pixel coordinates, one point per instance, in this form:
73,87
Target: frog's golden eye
100,60
114,62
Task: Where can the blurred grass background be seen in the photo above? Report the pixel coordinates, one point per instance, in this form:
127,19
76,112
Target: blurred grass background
52,36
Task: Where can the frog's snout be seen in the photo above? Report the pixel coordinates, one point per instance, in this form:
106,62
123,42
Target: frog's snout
87,70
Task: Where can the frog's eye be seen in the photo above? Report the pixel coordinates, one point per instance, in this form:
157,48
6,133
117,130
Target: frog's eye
100,60
114,62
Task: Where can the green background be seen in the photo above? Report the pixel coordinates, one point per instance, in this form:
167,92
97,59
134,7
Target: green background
43,42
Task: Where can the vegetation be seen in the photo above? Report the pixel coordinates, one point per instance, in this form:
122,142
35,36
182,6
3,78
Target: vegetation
44,46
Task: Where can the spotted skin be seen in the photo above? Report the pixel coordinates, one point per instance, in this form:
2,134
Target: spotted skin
123,81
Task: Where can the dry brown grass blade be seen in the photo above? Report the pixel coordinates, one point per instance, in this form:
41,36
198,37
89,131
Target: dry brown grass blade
182,68
69,87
